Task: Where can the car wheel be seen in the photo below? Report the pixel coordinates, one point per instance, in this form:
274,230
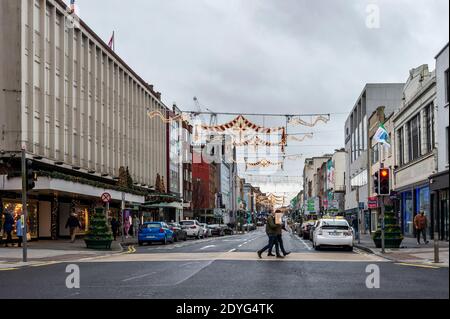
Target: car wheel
317,247
141,243
349,248
198,235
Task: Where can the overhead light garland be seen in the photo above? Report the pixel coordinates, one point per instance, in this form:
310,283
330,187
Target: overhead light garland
241,125
300,121
301,139
263,163
257,141
162,117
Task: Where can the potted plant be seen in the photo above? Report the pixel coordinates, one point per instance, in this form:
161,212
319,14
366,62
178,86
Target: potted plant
392,233
99,235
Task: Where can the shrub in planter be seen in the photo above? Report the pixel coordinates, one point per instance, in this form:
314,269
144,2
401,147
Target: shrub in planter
99,235
392,234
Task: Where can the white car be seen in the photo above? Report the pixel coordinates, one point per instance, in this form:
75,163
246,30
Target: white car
193,228
206,230
333,233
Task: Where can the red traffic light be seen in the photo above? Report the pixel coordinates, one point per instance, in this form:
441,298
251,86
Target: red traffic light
384,172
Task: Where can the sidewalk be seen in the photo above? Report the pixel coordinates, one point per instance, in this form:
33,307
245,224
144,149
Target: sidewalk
409,251
48,251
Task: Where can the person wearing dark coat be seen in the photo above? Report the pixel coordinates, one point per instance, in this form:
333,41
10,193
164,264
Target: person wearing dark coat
114,227
8,228
73,223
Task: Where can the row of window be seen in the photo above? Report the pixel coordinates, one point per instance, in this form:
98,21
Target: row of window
409,136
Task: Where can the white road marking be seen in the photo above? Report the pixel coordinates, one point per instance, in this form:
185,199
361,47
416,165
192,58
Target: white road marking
232,250
138,277
206,247
306,245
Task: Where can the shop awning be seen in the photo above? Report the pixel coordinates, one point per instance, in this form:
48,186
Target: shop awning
164,205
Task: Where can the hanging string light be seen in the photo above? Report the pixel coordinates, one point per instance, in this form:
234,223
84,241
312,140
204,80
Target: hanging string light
312,123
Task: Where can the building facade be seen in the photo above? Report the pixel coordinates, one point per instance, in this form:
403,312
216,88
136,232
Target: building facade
415,153
356,144
335,182
439,181
79,111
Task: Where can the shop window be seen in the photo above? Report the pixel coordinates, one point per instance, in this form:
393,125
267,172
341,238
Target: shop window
15,208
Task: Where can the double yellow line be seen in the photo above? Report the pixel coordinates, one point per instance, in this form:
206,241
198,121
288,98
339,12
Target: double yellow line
131,249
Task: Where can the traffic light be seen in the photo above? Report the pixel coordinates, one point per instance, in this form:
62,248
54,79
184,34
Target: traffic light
384,188
376,182
30,175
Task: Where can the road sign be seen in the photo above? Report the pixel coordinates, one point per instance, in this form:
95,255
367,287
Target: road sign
106,197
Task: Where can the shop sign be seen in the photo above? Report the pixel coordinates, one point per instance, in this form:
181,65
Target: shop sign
373,202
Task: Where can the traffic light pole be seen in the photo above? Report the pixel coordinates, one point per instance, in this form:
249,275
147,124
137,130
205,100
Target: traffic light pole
382,225
24,205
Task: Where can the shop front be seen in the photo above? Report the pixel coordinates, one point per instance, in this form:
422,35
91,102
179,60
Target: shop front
439,189
15,208
413,201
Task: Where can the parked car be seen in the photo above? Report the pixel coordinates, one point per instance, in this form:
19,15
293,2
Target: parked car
216,230
178,232
228,230
155,232
312,230
334,233
192,228
249,227
260,223
206,231
305,229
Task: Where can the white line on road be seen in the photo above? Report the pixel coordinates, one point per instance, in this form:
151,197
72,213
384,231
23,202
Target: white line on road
206,247
232,250
138,277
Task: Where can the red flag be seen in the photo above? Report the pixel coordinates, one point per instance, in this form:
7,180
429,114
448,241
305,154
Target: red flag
111,42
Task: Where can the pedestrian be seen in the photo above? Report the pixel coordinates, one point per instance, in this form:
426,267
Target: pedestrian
272,231
8,228
421,225
73,223
19,231
136,224
127,225
114,227
280,241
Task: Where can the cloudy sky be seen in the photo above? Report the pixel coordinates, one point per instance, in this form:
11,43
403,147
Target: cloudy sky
273,56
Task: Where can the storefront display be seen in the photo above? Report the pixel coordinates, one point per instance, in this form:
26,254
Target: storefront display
407,213
15,208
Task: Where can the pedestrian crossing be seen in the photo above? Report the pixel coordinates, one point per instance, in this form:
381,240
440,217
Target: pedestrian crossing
239,256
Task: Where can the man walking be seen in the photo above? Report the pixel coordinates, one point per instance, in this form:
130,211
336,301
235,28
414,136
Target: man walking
272,231
8,228
421,225
73,223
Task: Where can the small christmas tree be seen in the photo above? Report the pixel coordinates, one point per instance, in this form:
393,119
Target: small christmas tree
99,235
392,232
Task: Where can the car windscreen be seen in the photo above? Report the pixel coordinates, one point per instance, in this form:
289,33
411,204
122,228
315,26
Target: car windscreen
187,223
335,224
151,226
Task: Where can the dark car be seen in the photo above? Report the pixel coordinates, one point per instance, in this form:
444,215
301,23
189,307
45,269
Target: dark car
178,232
306,229
216,230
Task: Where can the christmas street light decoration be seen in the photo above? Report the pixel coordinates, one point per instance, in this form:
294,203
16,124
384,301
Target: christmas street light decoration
300,121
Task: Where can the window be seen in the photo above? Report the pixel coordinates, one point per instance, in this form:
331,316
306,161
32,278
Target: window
446,86
446,144
414,138
429,122
375,154
401,146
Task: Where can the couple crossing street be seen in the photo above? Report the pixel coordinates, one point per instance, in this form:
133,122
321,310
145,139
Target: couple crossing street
274,231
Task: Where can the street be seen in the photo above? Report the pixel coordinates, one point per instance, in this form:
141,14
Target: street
227,268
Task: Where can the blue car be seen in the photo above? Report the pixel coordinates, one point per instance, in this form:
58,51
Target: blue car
155,232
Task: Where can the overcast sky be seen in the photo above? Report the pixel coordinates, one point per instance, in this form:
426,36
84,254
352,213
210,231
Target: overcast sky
274,56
